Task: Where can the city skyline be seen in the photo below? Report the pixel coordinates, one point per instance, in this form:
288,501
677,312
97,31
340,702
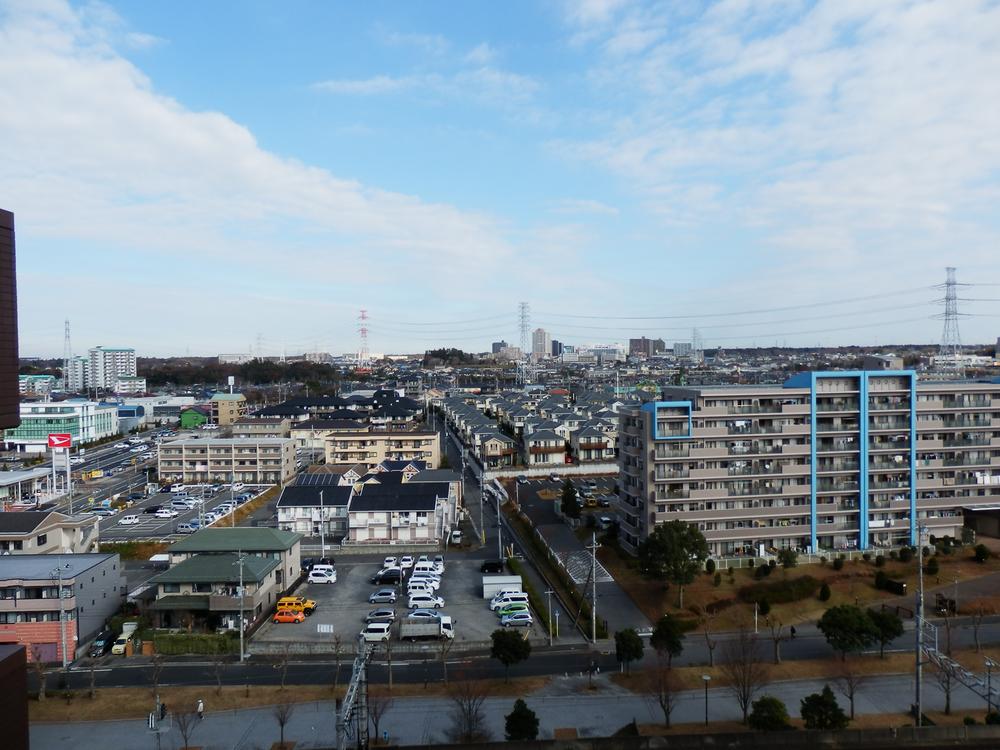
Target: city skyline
219,179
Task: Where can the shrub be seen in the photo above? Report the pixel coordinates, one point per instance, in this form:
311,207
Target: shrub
717,606
879,561
751,562
992,717
717,579
838,564
981,553
932,568
824,592
945,549
789,558
893,554
780,592
906,554
710,566
763,607
969,721
171,644
772,564
768,714
762,572
880,579
866,556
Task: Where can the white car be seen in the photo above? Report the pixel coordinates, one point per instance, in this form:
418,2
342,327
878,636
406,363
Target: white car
425,601
166,513
322,576
406,561
77,460
121,446
424,614
130,520
138,449
390,562
432,583
517,620
377,632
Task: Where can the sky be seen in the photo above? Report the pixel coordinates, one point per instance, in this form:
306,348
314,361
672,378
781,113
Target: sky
203,178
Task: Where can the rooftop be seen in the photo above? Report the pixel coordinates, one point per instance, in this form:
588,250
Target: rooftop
218,569
43,567
237,539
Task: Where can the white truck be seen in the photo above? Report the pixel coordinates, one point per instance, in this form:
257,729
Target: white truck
414,628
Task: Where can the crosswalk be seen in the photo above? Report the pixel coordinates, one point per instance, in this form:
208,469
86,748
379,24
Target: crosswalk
578,565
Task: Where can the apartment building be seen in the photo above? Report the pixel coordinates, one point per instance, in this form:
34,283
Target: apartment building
35,613
371,448
248,460
36,385
228,408
827,461
86,421
257,427
47,533
107,364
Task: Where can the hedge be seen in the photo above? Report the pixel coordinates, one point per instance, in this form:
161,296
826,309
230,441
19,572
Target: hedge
780,592
534,599
173,644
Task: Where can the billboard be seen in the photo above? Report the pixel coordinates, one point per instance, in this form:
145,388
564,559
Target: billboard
60,440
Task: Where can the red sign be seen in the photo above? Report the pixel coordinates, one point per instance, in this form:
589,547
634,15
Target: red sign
60,440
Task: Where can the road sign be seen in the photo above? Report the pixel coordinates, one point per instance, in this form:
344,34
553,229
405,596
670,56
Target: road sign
60,440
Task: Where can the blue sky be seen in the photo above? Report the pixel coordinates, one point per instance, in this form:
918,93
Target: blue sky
198,177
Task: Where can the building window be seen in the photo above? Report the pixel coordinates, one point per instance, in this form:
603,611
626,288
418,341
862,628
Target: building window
42,539
171,588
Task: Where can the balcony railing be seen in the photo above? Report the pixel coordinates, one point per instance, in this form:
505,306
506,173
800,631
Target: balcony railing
841,427
966,402
894,484
888,424
753,448
842,444
970,459
836,486
836,406
958,442
837,466
885,405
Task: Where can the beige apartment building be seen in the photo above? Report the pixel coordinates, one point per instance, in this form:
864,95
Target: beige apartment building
371,447
258,427
247,460
228,408
827,461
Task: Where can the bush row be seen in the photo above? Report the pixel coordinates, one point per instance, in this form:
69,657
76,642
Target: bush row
780,592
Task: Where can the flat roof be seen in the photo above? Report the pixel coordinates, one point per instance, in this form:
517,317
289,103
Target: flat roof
7,478
42,567
227,441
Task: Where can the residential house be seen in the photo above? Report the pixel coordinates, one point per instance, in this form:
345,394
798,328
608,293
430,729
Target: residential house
545,448
312,508
47,532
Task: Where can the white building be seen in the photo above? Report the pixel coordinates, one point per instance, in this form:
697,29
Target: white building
130,385
77,375
235,359
107,364
86,421
541,344
35,385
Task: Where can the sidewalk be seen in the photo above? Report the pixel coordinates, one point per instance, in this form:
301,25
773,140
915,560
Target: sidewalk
563,703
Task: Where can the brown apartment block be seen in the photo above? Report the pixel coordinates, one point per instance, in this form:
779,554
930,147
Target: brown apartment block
9,397
827,461
372,447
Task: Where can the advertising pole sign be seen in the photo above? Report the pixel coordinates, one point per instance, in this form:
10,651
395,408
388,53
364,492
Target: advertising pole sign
60,443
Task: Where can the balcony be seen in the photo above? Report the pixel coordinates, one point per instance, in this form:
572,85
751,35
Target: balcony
763,408
671,450
537,449
671,474
753,488
834,406
889,404
966,422
969,459
889,424
843,486
961,442
823,466
889,445
593,445
894,484
837,444
753,448
966,402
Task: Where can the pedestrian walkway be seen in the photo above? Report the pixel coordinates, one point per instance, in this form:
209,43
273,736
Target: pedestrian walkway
565,702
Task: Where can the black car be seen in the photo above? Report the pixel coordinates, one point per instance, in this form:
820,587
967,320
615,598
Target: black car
136,496
102,644
152,509
492,566
305,565
390,576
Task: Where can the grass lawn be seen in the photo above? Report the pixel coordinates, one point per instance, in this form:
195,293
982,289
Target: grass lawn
134,703
853,584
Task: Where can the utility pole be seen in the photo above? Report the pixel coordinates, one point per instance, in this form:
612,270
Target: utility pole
593,578
322,532
58,575
482,517
548,595
499,532
240,557
919,647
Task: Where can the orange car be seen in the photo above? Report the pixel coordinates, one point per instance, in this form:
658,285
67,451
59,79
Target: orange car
287,615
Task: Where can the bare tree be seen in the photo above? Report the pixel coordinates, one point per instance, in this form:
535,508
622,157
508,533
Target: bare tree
338,652
705,619
41,670
378,704
664,690
777,636
388,661
185,721
468,723
156,665
946,682
849,681
92,668
281,663
444,648
948,618
978,613
743,668
218,669
283,714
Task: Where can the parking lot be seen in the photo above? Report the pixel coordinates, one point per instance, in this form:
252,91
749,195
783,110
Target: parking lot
342,606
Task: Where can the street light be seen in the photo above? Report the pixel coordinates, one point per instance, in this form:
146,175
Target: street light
707,678
548,594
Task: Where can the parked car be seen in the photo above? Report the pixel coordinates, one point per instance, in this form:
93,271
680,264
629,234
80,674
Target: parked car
306,563
406,561
522,479
431,582
296,604
118,649
185,528
439,562
509,609
322,576
517,620
101,512
121,446
381,615
376,632
384,576
383,596
492,566
153,509
166,513
424,613
507,597
102,644
553,477
129,520
389,562
423,600
288,615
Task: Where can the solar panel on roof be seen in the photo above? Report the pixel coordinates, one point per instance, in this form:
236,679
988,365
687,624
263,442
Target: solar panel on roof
313,480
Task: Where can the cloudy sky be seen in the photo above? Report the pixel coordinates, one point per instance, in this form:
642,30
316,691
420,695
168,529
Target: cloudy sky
210,177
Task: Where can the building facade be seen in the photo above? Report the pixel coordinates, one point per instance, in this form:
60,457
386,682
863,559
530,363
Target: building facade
828,461
36,385
274,427
77,375
108,363
228,408
541,344
130,385
47,533
248,460
93,589
86,421
9,397
643,347
372,448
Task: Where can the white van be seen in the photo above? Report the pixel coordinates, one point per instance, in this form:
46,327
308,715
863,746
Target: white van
177,488
423,587
425,567
508,598
376,632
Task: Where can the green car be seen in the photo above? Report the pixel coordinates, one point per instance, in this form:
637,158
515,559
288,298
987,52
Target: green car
510,609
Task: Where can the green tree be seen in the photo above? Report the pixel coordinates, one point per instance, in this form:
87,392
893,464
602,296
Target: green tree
509,647
668,638
768,714
847,629
521,724
821,711
674,551
981,553
824,592
628,647
888,627
933,567
570,504
788,558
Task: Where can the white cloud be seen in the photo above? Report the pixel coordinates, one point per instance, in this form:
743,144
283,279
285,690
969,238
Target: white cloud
369,86
583,206
481,54
431,44
484,84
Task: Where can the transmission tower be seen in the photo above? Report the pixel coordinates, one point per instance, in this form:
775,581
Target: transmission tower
951,341
363,333
524,317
